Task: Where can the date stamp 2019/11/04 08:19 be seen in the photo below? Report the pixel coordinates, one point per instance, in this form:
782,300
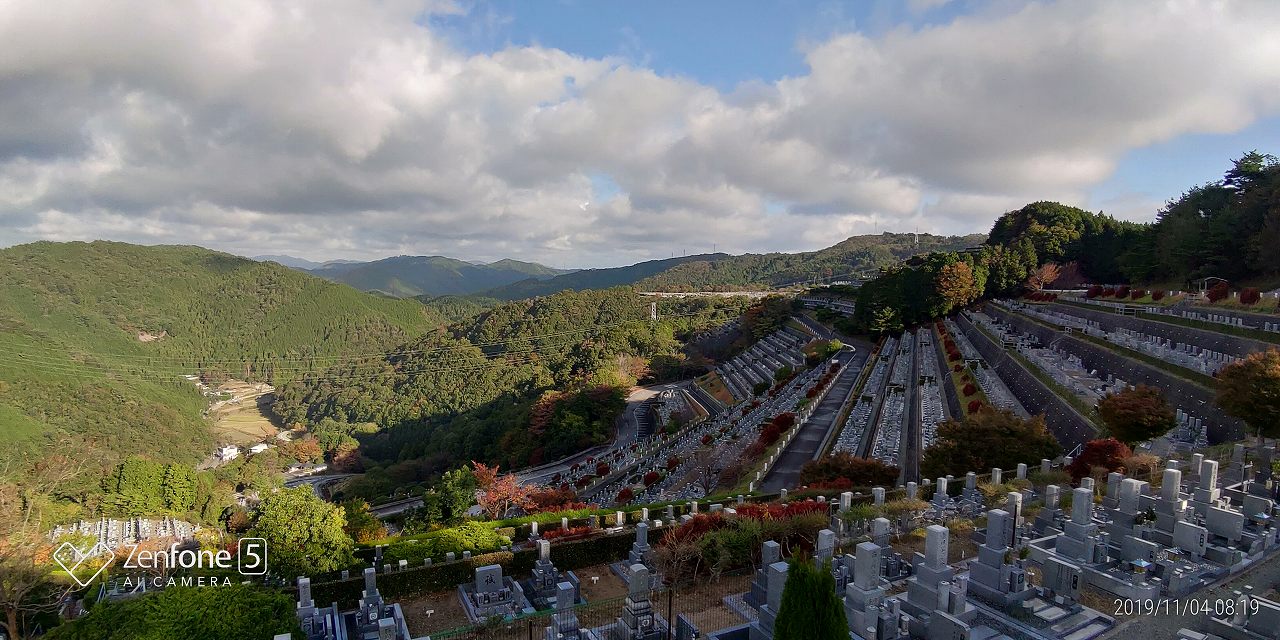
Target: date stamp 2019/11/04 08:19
1216,607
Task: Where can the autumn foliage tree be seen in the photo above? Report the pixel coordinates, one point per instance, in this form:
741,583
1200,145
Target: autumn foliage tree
1043,276
1136,414
1107,453
956,284
1249,389
303,450
498,494
347,459
988,439
846,467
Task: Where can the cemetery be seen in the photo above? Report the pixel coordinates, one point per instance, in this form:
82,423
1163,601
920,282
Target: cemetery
1023,570
990,554
116,533
1192,394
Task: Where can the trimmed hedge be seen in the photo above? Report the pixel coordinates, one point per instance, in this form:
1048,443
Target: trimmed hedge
445,576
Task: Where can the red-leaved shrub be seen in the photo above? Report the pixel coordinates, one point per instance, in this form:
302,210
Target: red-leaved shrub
770,435
1218,292
570,533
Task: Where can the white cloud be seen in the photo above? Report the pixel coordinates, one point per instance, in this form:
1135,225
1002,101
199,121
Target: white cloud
351,129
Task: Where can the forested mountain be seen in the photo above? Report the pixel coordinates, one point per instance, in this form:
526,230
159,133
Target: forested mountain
94,339
459,308
1228,229
854,256
290,261
524,382
407,276
596,278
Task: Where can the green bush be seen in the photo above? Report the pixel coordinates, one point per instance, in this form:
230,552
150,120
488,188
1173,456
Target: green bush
443,576
472,536
194,613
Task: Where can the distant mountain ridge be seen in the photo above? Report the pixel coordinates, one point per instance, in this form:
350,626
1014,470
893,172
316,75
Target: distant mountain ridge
596,278
426,277
414,276
849,258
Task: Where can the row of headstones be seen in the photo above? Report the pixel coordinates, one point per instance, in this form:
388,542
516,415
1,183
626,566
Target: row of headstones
656,458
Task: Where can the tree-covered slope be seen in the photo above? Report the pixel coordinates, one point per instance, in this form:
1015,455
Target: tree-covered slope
853,256
1228,229
408,276
526,381
595,278
95,338
857,255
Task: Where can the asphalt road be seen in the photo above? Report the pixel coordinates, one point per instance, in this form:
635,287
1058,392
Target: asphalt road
786,471
817,327
317,481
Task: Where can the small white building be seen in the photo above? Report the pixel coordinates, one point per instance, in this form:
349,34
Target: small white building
258,448
228,453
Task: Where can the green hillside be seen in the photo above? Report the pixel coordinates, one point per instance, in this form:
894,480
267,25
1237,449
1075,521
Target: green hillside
524,382
853,256
595,278
95,338
409,276
857,255
458,308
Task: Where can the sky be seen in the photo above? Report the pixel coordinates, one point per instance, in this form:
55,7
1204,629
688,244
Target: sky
586,133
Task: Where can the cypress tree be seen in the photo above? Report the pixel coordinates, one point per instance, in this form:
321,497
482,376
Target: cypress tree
810,609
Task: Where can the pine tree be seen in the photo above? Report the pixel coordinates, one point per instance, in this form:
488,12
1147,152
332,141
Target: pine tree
810,609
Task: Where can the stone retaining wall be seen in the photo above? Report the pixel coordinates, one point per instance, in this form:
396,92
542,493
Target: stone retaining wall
1191,397
1066,424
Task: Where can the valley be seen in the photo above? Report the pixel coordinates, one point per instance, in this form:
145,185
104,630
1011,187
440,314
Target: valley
487,415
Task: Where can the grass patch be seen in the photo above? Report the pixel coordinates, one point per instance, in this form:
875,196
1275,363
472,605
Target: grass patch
17,427
715,387
799,326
